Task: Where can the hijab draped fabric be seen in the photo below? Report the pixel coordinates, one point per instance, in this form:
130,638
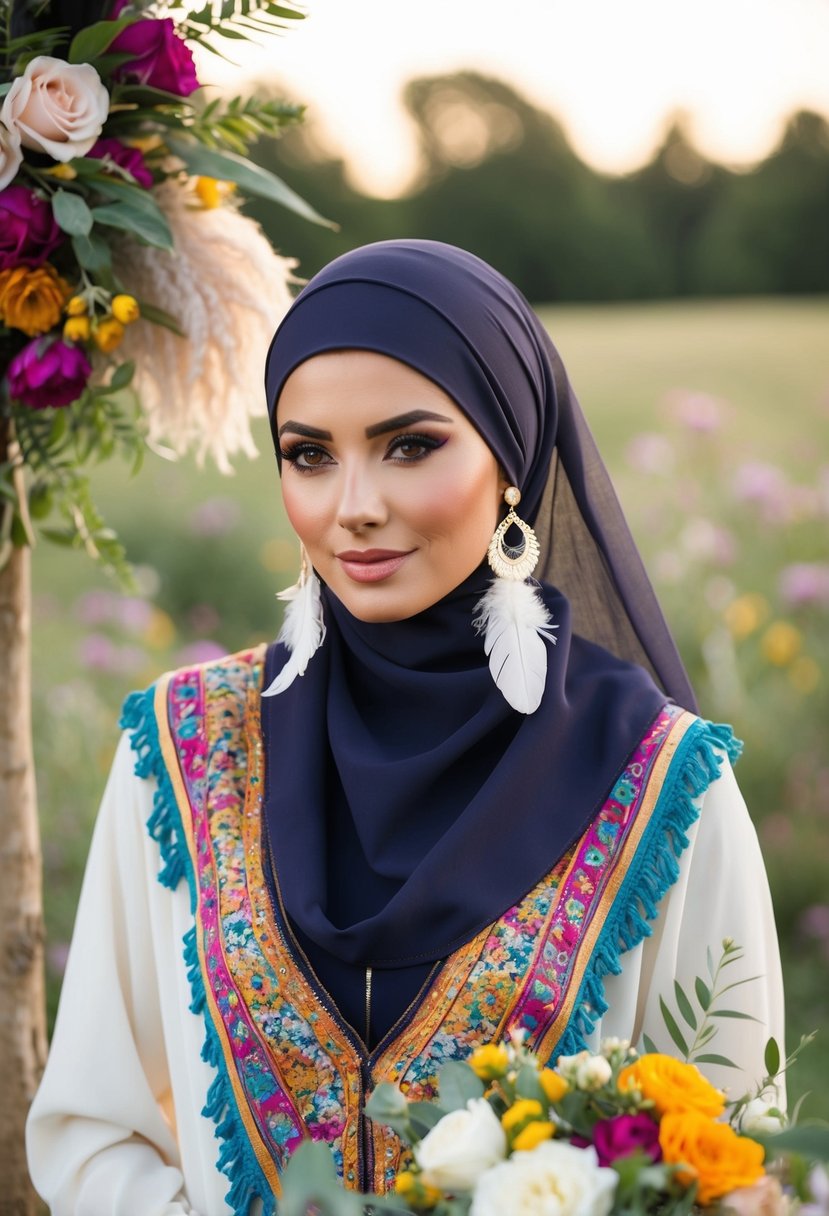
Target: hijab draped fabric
407,805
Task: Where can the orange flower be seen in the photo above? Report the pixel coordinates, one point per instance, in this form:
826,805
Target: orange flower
32,300
672,1086
711,1153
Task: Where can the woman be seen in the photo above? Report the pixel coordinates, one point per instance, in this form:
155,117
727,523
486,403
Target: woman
443,805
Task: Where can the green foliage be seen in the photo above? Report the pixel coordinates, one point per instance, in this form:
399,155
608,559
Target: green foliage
237,123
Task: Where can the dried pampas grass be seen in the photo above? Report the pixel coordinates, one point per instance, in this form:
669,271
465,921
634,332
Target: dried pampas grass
228,290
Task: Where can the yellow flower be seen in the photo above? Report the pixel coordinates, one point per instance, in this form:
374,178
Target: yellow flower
125,309
212,192
490,1061
64,173
554,1086
804,674
672,1086
781,643
405,1183
715,1156
32,300
76,307
408,1185
521,1112
76,329
534,1133
745,614
108,334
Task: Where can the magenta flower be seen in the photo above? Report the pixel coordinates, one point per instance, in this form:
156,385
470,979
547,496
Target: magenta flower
805,583
28,232
698,412
45,374
130,159
160,58
626,1134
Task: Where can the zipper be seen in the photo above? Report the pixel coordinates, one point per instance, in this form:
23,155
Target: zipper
367,1036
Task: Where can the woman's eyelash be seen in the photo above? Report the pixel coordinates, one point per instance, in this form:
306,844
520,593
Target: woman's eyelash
428,443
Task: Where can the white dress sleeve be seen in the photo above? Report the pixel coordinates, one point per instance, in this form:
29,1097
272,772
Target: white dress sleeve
116,1126
722,891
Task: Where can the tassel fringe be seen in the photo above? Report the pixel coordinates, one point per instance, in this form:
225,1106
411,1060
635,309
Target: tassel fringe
654,869
237,1160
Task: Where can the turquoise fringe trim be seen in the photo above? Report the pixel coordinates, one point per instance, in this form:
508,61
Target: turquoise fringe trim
237,1160
653,870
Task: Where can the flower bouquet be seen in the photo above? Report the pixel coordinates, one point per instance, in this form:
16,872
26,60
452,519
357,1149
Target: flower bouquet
135,299
612,1133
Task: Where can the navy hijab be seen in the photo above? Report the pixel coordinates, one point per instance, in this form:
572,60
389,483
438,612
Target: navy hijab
407,805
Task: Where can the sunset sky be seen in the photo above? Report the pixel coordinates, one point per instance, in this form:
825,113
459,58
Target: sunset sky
612,70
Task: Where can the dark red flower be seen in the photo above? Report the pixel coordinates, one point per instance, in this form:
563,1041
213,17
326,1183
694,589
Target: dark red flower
626,1134
130,159
28,232
159,58
45,374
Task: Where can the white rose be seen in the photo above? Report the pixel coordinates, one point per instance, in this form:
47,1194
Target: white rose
461,1146
568,1066
554,1179
593,1073
56,107
760,1117
10,155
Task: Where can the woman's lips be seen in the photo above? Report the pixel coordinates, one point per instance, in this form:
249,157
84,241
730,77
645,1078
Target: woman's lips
371,565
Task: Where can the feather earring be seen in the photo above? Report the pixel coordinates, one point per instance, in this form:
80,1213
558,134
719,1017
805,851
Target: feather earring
512,616
303,629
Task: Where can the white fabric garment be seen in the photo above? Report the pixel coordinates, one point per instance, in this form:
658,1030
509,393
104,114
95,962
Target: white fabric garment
116,1127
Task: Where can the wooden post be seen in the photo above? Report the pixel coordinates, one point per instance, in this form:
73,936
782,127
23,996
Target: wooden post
22,1004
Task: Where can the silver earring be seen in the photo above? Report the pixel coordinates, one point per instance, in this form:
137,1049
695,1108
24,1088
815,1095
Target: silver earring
303,629
513,617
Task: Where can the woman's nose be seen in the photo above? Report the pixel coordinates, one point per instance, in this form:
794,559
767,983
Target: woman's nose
361,504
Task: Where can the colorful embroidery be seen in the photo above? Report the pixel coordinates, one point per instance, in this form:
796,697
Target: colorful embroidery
288,1067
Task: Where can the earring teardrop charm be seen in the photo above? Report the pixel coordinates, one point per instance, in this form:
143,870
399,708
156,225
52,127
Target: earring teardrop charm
506,561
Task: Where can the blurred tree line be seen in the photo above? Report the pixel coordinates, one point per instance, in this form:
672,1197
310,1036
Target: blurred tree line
499,177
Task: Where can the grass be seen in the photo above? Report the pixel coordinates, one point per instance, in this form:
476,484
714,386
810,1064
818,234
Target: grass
768,360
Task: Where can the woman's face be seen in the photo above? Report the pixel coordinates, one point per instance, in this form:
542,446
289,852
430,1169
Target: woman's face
388,485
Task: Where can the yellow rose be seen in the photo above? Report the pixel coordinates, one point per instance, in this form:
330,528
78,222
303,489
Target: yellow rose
534,1133
125,309
717,1158
490,1061
76,329
554,1085
108,334
521,1112
32,300
672,1085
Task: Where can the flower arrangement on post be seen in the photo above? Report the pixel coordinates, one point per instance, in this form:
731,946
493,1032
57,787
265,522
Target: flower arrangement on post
119,223
611,1133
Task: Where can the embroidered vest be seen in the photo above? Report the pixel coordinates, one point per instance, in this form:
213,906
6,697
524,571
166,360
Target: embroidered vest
287,1066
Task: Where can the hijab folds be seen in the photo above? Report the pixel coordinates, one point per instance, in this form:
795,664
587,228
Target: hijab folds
408,806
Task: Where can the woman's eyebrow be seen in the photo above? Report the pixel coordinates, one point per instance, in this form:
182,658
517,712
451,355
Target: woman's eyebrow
394,424
299,428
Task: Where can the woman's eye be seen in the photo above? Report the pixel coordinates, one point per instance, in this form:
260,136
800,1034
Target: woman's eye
409,448
306,456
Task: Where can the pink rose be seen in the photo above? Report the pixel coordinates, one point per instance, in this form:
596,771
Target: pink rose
130,159
764,1198
10,155
45,374
626,1134
159,57
28,232
56,107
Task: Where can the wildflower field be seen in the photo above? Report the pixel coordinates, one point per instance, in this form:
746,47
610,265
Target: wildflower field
714,420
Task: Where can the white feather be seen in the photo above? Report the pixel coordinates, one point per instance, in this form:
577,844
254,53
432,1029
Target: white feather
303,631
514,621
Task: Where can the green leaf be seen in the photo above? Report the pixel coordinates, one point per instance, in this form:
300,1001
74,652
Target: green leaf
153,229
527,1085
733,1013
457,1084
649,1044
809,1139
227,166
703,993
71,213
771,1058
122,376
673,1029
709,958
92,252
159,317
424,1116
388,1105
684,1005
90,41
715,1059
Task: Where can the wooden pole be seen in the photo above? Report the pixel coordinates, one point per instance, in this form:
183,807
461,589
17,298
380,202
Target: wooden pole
22,1003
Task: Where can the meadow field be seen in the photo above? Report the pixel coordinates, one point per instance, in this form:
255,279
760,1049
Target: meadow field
714,420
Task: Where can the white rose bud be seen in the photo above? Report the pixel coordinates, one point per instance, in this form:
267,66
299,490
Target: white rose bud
609,1046
461,1146
10,155
56,107
761,1117
593,1073
555,1178
568,1066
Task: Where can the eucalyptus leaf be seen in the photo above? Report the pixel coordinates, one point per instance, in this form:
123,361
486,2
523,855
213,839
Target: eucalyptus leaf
809,1139
713,1058
92,252
150,312
152,229
424,1116
684,1005
733,1013
527,1085
771,1058
227,166
71,213
388,1105
672,1028
122,376
649,1044
703,993
457,1085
